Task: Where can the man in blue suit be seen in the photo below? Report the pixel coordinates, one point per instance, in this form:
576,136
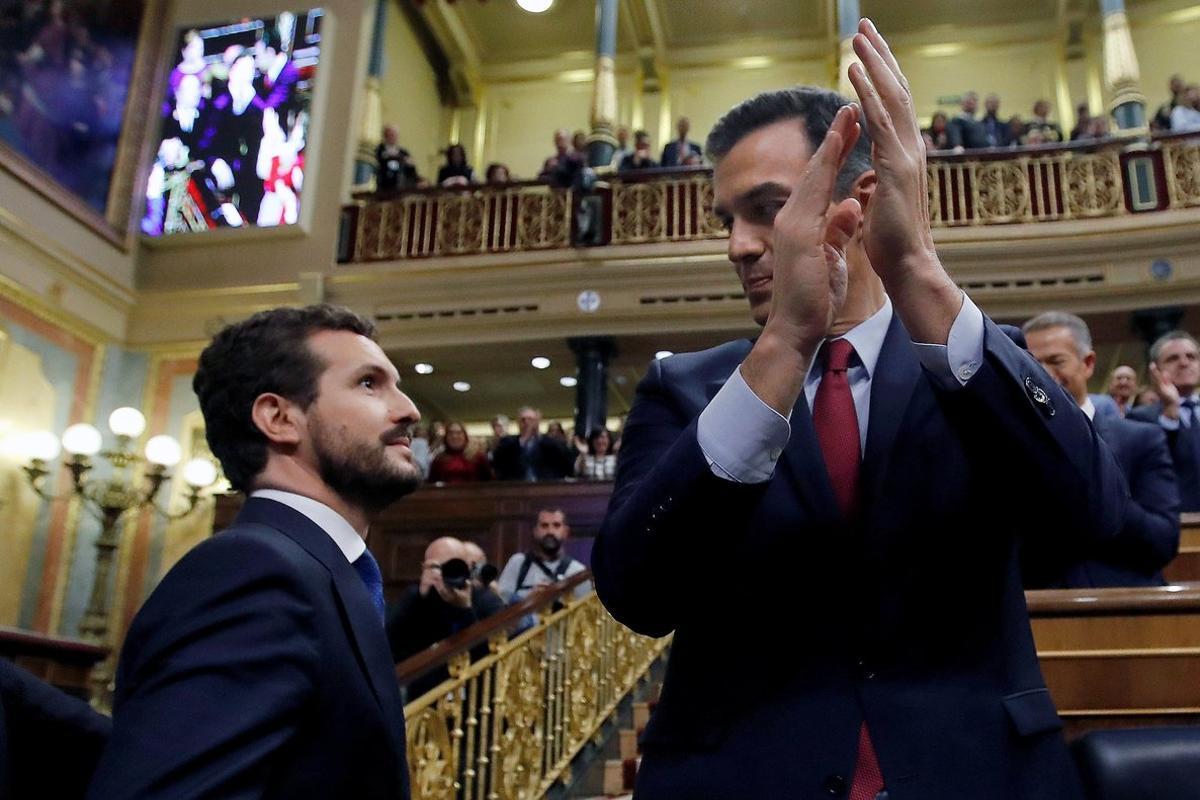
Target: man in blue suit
1175,377
676,151
1149,539
877,534
259,666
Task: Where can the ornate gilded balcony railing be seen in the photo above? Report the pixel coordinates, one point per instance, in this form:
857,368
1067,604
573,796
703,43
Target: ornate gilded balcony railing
1049,183
507,726
452,222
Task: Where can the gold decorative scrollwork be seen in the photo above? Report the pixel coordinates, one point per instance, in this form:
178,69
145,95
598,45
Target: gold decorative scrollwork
1183,172
543,220
638,212
431,755
1093,185
507,726
460,222
1003,191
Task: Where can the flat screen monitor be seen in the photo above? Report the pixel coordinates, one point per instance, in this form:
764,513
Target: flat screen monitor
234,124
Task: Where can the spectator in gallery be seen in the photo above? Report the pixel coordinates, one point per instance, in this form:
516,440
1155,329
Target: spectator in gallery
1122,386
1175,90
1099,129
597,460
995,128
556,431
544,563
394,168
1186,114
1083,123
420,448
560,168
497,174
640,158
676,150
499,425
579,143
692,160
1040,123
938,133
1016,130
457,463
529,456
456,171
623,149
1149,538
966,132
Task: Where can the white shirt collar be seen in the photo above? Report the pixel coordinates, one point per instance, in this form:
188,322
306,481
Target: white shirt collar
867,339
1089,408
324,517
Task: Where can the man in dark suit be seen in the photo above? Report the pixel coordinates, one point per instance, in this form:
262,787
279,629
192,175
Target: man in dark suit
880,531
529,456
259,666
966,132
49,741
1175,377
1149,539
676,152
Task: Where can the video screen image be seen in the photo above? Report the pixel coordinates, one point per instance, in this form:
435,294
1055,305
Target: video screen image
234,126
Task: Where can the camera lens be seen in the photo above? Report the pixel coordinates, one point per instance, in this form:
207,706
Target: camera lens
455,573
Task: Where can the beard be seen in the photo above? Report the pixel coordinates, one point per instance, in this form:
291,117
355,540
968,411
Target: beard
550,545
360,472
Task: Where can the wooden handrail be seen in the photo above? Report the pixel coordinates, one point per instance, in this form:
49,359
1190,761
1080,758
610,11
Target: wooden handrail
441,652
1181,598
16,641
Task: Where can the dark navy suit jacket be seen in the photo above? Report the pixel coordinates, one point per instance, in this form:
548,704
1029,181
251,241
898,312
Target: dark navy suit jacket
671,155
1149,539
50,741
911,616
1185,454
258,667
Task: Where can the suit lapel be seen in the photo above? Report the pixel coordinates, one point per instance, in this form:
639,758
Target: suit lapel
897,373
365,628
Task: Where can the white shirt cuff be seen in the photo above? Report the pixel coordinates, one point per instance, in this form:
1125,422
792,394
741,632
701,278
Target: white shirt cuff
1168,423
741,436
953,363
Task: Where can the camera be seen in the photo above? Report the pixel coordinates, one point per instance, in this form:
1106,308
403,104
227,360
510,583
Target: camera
455,573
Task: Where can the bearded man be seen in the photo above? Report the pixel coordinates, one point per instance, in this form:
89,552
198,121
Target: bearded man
259,666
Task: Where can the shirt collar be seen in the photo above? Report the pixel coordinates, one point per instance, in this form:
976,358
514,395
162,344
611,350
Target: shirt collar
1089,408
867,339
324,517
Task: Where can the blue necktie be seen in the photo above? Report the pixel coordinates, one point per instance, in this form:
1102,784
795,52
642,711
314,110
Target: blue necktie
1190,405
368,569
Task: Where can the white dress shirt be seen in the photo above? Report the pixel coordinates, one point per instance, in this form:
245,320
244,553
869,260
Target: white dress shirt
1185,414
324,517
742,437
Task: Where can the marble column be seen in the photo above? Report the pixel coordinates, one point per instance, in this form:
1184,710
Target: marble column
1122,79
602,143
370,129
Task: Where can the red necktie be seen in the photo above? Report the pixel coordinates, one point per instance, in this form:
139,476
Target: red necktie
836,424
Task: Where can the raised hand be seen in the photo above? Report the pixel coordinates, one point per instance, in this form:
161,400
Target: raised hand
809,243
1166,391
896,232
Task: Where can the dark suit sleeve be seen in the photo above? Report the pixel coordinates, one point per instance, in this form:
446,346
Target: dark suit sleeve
1038,450
954,133
667,510
50,740
506,459
1150,538
215,676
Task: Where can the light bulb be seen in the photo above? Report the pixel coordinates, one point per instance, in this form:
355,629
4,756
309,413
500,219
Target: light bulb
568,381
535,6
81,439
461,386
38,445
423,368
126,421
199,472
164,451
539,362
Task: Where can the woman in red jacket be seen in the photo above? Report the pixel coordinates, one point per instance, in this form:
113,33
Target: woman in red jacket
454,464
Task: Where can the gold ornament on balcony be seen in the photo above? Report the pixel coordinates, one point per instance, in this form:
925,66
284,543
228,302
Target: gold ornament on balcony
110,499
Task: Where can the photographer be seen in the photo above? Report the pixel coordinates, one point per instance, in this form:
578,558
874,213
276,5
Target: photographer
445,602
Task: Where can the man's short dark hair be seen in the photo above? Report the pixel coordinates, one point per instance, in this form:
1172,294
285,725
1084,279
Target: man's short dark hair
268,352
817,107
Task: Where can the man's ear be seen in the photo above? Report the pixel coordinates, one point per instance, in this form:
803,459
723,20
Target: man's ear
863,188
279,419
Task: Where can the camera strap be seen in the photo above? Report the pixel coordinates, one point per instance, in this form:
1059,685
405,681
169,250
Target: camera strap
555,576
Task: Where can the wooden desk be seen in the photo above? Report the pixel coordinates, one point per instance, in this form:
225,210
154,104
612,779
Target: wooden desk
1120,657
1186,566
61,662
